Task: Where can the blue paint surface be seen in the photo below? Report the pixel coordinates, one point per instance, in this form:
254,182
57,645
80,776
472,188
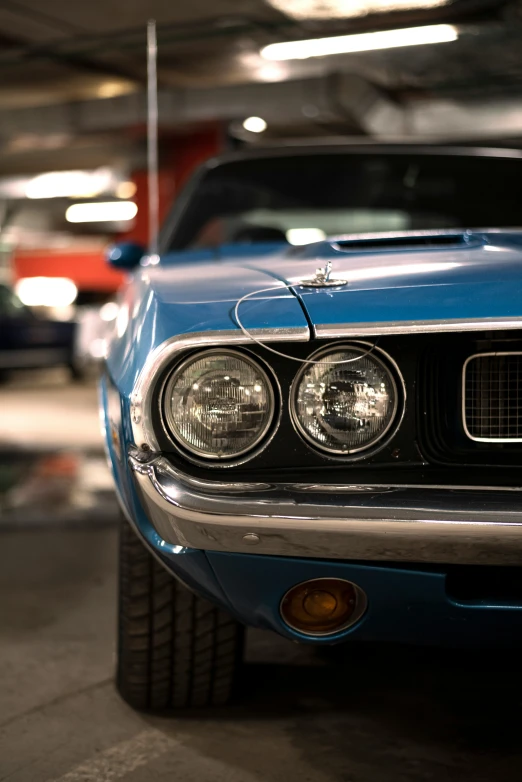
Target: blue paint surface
408,605
165,301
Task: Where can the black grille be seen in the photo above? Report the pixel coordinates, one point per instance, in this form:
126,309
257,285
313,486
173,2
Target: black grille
492,397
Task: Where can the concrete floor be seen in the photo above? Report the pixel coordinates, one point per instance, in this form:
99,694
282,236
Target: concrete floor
46,410
357,714
52,465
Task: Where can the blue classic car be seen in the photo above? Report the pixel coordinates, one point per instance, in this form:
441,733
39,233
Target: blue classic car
320,439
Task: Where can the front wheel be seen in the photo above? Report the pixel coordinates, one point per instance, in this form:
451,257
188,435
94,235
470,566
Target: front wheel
175,649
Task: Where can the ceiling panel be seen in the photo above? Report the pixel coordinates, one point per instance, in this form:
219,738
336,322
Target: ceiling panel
60,52
57,16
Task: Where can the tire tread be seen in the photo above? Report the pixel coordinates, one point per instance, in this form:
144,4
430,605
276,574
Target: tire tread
175,649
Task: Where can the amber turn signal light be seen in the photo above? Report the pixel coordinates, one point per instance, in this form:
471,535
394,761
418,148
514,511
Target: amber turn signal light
323,606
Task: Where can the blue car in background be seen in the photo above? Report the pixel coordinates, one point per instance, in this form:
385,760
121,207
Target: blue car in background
30,342
311,408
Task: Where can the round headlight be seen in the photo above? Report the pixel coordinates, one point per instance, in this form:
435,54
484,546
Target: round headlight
345,408
219,404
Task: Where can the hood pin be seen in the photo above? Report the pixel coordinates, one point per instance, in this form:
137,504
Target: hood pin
322,279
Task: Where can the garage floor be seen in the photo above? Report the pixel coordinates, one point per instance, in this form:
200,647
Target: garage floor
350,715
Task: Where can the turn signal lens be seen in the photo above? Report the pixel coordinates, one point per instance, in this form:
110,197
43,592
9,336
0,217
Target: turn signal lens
323,606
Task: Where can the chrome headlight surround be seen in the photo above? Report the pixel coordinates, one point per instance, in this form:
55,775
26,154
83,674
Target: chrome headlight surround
266,431
143,407
376,444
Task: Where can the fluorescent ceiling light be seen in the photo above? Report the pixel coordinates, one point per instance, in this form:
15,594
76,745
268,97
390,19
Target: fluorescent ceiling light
70,184
304,235
361,42
46,291
101,212
260,69
254,124
348,9
111,89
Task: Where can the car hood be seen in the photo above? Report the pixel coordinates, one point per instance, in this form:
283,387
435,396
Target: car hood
391,279
397,283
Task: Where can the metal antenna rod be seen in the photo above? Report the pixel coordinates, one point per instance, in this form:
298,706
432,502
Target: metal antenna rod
152,138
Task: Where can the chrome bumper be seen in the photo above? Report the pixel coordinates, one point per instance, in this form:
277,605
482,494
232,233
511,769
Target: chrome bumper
403,524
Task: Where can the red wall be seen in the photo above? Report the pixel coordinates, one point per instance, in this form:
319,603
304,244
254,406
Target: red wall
181,155
88,268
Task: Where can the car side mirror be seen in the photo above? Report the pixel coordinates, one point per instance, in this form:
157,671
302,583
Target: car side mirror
125,255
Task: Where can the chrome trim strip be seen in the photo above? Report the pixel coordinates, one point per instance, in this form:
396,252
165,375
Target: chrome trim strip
141,397
336,488
397,524
325,331
464,422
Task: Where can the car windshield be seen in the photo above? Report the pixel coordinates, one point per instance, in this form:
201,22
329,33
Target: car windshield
303,198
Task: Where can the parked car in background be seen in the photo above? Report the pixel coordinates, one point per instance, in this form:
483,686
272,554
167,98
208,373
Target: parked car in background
321,440
30,342
95,323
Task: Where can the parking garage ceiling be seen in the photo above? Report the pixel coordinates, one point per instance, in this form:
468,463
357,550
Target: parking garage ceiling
72,75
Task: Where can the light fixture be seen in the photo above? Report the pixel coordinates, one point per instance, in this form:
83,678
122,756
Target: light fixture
349,9
70,184
112,89
126,190
304,235
361,42
254,124
259,69
272,73
101,212
46,291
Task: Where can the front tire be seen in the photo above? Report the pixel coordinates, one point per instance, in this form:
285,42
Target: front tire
175,649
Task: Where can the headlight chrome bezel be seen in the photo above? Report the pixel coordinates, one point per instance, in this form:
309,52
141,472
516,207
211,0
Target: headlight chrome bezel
377,444
268,431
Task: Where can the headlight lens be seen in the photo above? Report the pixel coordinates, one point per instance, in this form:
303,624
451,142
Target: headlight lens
219,404
345,408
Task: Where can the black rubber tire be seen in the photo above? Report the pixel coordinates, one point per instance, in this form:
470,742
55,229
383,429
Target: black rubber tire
175,649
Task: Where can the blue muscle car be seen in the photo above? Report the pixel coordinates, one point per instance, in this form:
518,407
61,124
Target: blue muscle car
322,439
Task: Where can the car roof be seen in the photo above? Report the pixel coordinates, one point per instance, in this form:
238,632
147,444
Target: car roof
336,146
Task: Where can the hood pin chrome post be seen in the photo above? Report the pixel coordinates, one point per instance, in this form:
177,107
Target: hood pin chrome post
322,279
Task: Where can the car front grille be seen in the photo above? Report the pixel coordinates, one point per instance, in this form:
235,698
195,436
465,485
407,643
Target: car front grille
492,397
